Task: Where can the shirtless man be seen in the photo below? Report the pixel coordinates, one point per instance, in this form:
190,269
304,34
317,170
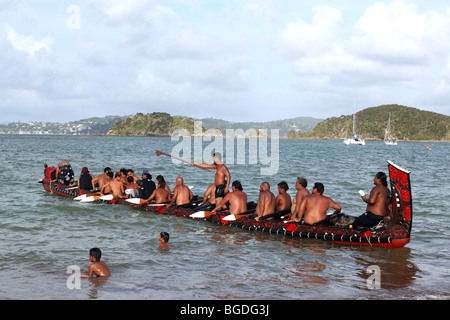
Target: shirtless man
377,203
222,177
314,207
181,194
302,193
106,188
116,186
266,201
237,200
102,179
283,200
161,195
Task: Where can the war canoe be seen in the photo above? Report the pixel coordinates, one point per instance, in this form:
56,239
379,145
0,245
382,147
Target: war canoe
393,232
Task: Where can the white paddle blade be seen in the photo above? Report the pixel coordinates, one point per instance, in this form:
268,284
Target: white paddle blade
230,217
79,198
107,197
156,205
200,214
136,201
88,199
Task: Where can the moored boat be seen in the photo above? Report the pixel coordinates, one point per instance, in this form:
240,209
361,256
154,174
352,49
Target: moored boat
393,231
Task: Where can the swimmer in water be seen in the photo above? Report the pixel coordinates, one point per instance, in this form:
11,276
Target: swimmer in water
97,268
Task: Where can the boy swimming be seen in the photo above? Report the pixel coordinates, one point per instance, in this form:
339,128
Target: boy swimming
97,268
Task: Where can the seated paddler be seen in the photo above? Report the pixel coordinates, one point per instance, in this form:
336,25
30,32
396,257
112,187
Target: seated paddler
314,208
237,200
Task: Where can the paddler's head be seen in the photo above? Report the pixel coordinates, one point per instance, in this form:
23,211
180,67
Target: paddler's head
217,158
179,181
265,186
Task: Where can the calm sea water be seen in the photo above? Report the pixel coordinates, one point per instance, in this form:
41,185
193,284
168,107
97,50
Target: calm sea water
44,234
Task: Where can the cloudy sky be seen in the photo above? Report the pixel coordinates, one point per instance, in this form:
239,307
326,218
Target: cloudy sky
239,60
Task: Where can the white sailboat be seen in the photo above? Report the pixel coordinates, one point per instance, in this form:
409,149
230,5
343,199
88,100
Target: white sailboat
354,139
388,140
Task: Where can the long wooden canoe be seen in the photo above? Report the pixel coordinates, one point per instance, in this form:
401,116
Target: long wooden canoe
393,232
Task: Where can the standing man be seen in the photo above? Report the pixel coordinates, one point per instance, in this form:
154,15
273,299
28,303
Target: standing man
377,203
222,177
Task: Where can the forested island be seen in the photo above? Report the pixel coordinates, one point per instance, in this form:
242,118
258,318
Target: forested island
406,124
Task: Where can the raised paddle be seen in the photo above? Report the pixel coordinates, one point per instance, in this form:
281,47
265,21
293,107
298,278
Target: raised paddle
158,153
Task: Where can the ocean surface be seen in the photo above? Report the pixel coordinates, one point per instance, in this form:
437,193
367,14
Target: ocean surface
43,234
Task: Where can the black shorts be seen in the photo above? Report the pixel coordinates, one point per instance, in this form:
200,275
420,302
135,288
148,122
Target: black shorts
367,219
220,191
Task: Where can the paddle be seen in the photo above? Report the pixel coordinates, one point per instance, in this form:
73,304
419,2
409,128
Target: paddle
143,201
108,197
233,217
90,199
158,153
205,214
85,195
281,213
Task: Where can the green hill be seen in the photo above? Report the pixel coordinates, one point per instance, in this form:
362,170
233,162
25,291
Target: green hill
406,124
152,124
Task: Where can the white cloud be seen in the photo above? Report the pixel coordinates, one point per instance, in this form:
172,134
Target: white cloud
308,39
119,11
27,43
390,43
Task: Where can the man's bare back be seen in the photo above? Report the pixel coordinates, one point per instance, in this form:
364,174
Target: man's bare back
283,200
237,200
181,193
266,201
160,195
314,207
302,194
